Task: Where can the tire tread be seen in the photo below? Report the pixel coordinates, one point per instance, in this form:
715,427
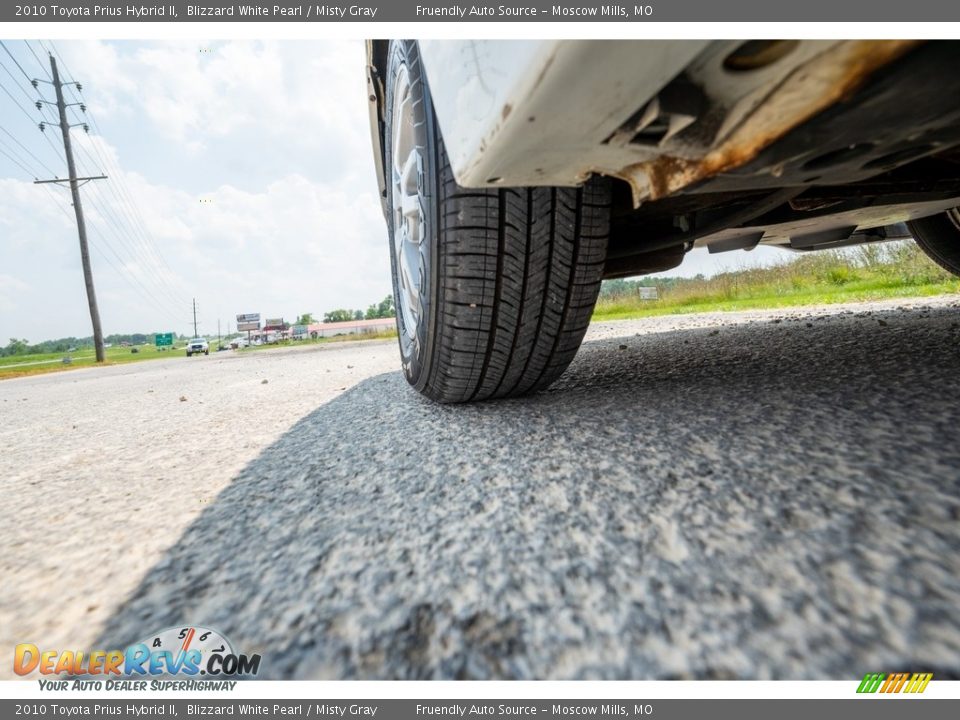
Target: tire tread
520,270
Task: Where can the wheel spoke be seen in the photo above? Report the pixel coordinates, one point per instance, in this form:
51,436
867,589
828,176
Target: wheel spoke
408,174
410,206
954,217
407,210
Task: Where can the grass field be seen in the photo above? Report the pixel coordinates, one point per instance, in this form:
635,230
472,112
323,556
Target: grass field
39,363
868,272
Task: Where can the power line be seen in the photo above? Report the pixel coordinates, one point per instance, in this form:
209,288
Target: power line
78,211
146,292
130,237
18,163
130,209
53,51
127,238
115,225
27,150
57,152
121,273
35,57
137,234
116,171
16,82
103,208
43,67
16,62
26,75
138,242
26,114
17,103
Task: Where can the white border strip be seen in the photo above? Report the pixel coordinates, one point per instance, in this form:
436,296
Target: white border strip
518,30
548,689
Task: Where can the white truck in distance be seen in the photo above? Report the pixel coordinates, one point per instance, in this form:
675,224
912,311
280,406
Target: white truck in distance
197,346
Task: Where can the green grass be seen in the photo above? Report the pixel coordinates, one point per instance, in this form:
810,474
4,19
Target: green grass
869,272
21,365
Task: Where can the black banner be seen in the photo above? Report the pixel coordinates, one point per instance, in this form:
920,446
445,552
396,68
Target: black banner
853,709
533,11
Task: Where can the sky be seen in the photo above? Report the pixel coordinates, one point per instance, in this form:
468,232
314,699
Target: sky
240,175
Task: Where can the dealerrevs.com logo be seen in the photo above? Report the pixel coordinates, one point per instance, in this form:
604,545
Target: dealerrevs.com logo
180,651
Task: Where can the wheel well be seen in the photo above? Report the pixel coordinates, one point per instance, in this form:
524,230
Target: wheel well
377,54
377,51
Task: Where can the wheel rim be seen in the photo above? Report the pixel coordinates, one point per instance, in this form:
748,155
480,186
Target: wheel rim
408,215
954,217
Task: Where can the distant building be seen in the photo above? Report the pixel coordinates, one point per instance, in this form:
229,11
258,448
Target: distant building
350,327
274,330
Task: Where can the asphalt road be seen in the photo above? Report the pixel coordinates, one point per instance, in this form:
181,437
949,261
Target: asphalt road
756,495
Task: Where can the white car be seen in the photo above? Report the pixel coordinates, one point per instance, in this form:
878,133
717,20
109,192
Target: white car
516,175
197,346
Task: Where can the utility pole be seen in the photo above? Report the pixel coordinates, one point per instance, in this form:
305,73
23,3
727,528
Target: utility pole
219,341
195,334
75,183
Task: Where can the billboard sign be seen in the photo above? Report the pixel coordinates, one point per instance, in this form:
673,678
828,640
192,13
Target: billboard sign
273,322
250,321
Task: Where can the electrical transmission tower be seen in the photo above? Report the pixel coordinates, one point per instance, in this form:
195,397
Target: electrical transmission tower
75,183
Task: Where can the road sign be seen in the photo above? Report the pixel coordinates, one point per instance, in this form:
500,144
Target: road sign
248,322
163,339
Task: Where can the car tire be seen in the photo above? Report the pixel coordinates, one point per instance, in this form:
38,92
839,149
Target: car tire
206,352
188,354
939,237
493,287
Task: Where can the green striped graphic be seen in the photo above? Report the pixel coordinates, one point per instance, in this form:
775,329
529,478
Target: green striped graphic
871,682
894,683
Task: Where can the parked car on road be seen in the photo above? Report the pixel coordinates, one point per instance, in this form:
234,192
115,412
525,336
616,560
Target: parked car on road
516,175
197,346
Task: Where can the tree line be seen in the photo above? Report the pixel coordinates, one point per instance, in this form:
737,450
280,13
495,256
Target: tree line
22,346
18,346
382,309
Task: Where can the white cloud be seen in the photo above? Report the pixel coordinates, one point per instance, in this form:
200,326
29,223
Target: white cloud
272,137
308,94
10,289
294,247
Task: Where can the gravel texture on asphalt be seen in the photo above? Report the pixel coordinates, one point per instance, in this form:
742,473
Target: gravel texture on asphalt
751,495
